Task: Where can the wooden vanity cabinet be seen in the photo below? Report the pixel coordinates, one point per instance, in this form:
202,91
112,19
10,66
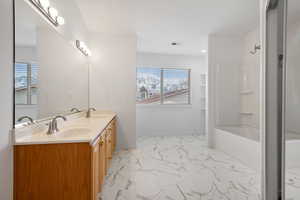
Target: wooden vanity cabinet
96,169
54,171
61,171
114,135
102,160
108,148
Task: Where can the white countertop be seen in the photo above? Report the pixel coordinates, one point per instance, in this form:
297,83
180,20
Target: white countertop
78,130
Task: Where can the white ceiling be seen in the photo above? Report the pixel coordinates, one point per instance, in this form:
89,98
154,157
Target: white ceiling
160,22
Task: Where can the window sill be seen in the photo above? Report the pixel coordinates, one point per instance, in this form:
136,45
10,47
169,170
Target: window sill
164,106
25,105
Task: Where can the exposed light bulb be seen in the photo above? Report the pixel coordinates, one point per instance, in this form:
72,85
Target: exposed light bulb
53,12
89,53
60,20
83,46
45,4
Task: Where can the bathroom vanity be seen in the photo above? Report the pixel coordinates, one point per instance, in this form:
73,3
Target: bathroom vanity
56,159
70,164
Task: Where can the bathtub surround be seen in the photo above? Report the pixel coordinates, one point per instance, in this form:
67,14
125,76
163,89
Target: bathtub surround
226,58
170,120
251,69
228,139
233,81
249,81
224,61
249,74
236,78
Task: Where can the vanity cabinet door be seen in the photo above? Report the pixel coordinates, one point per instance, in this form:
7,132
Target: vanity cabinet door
102,159
110,143
114,135
107,148
95,170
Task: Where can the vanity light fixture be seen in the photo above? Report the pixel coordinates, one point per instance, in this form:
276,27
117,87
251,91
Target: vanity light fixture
60,20
53,12
45,4
49,12
83,48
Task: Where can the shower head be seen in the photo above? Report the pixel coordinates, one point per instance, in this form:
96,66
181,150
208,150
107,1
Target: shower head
256,48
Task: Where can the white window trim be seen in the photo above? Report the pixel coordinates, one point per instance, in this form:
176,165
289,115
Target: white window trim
29,94
161,104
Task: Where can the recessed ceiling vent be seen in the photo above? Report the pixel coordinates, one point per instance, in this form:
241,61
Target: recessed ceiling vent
174,43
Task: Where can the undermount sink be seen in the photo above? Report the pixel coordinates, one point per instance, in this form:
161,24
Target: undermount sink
74,132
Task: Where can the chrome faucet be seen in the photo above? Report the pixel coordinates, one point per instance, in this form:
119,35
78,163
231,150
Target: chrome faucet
75,110
53,125
25,117
88,114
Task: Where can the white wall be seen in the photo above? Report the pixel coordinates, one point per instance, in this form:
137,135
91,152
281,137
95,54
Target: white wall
6,100
168,120
112,81
25,54
63,75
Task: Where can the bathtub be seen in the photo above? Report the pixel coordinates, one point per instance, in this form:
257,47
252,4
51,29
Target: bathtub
243,143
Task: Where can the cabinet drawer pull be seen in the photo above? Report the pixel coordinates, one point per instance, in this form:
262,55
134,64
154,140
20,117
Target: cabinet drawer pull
96,149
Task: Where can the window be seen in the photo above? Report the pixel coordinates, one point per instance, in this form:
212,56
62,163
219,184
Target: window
163,86
26,83
148,86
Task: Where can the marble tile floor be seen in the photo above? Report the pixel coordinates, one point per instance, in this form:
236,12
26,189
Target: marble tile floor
181,168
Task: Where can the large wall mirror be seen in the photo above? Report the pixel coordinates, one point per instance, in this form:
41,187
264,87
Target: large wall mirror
51,74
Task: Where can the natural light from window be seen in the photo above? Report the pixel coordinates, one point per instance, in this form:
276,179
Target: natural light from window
163,86
26,83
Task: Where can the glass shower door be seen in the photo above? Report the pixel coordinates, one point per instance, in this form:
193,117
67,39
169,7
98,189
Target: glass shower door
273,99
282,100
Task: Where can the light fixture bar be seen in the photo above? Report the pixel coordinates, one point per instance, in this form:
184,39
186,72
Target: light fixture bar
83,48
46,13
